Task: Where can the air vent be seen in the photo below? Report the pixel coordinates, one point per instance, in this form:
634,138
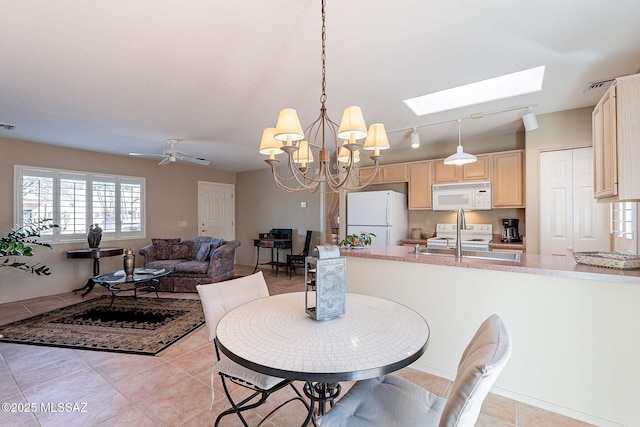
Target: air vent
7,126
597,85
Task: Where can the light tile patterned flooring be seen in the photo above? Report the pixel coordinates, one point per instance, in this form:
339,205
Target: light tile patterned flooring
172,389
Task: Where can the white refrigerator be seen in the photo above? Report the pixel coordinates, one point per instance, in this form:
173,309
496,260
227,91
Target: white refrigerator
383,213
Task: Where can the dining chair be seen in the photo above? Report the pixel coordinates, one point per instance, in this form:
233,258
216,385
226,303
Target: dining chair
298,260
217,299
393,401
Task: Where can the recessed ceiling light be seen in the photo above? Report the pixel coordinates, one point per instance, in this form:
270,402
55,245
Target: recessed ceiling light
514,84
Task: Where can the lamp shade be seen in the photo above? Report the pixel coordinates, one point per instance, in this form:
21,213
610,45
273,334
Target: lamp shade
303,154
530,122
288,127
269,145
460,157
344,155
352,125
376,138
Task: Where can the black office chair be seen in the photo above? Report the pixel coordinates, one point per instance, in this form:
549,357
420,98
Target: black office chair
294,261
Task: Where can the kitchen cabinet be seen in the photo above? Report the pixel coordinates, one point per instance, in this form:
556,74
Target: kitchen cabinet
507,181
476,171
420,181
616,132
387,174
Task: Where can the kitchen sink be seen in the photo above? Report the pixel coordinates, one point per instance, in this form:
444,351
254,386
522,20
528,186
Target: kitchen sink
495,256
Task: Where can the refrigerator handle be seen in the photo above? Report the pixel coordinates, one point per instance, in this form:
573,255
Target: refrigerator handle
388,209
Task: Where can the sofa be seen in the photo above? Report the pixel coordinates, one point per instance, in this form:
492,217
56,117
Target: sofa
193,261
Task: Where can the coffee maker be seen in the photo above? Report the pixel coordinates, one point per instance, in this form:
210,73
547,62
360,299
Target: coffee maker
510,230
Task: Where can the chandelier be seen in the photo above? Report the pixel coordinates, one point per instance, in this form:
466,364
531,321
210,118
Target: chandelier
302,173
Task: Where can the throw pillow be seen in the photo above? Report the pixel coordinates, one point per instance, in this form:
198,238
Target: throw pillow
215,244
203,252
162,247
181,250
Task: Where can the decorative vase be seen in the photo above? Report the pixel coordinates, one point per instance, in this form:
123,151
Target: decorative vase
94,236
129,262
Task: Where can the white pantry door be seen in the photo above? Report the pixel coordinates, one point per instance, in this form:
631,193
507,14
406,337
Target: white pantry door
216,210
570,219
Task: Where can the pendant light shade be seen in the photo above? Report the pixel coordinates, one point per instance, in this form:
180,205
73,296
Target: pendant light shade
460,157
415,138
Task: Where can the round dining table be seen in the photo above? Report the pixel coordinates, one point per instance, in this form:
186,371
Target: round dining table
275,336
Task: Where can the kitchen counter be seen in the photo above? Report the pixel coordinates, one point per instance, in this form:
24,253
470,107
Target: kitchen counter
546,265
495,244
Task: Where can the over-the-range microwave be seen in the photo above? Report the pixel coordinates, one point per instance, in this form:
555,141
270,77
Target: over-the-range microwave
466,195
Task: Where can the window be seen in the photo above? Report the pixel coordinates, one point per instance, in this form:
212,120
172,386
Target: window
623,226
74,200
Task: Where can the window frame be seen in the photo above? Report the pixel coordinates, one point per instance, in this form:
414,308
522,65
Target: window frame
56,235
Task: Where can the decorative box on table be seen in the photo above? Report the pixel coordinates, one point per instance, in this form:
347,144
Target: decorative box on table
328,300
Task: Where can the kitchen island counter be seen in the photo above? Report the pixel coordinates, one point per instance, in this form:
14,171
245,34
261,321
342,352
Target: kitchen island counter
547,265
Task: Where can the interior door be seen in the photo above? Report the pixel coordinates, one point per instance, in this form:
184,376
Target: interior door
570,219
216,210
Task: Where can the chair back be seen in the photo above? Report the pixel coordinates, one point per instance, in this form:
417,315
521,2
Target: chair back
219,298
480,365
307,243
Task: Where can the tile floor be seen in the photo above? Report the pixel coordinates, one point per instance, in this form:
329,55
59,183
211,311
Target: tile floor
171,389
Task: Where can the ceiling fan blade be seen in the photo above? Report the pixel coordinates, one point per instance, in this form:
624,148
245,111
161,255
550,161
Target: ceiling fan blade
146,155
165,161
195,160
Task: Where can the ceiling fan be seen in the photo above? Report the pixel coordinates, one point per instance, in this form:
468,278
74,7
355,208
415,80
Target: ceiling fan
173,155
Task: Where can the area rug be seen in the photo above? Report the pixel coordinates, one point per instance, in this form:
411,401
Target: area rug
151,326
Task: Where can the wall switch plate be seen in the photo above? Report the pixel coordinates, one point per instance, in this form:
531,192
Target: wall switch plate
303,204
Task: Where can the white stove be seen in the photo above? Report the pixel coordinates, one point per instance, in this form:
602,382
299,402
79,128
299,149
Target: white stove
475,237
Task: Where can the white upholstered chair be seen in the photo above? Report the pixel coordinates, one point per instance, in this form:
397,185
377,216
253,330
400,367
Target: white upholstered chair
217,299
393,401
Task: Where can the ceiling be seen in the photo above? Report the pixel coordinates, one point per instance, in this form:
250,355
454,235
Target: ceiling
119,76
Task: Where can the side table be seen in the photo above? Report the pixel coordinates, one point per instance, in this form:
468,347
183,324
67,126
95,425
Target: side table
95,254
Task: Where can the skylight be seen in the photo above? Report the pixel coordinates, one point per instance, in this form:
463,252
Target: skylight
514,84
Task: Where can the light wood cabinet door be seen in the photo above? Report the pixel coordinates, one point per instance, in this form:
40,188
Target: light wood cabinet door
507,186
394,173
477,171
387,174
605,177
420,180
445,174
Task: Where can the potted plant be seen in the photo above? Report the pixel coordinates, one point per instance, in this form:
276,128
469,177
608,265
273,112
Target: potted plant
357,240
16,243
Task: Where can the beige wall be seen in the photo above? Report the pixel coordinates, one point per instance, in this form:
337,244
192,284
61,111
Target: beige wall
172,194
261,205
561,130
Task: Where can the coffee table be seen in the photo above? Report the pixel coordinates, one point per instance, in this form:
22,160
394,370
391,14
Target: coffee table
144,279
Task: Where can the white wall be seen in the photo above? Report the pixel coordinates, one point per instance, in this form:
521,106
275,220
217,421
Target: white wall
575,342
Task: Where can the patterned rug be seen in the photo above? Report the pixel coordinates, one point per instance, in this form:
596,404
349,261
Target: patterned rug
147,329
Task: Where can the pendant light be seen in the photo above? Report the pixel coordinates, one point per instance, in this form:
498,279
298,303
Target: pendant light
460,157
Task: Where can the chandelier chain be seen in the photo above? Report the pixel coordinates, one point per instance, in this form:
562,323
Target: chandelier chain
323,97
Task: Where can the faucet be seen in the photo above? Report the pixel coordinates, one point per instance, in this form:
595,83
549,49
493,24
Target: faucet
461,224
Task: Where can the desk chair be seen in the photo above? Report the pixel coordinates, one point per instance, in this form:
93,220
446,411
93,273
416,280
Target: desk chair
393,401
217,299
298,260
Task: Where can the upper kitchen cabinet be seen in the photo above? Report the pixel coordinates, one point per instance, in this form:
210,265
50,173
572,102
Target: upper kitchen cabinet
420,181
616,142
507,183
476,171
387,174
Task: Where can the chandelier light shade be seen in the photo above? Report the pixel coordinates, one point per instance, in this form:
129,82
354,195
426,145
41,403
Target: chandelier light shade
288,126
269,145
322,136
460,157
376,139
352,125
